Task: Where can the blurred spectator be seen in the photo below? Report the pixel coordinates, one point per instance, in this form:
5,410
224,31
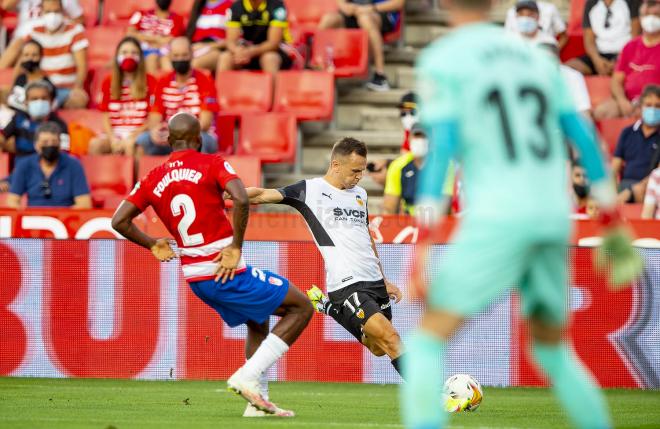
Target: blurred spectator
207,31
377,170
652,197
527,23
408,114
257,34
18,136
376,17
30,71
575,81
30,15
65,54
638,150
155,29
50,178
580,188
401,181
128,95
638,66
550,24
183,90
608,25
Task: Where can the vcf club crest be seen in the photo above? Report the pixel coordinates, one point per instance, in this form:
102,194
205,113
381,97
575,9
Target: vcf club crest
359,200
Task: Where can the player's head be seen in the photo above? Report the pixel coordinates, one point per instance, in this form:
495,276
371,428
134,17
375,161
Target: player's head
184,132
348,161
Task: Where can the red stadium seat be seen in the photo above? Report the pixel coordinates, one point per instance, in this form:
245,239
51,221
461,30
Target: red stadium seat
103,42
309,95
147,163
575,15
182,7
244,92
110,178
610,130
573,48
118,12
272,137
350,51
7,77
90,12
305,15
631,211
96,86
91,118
599,89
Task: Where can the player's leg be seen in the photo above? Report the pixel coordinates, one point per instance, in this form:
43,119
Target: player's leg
482,263
543,292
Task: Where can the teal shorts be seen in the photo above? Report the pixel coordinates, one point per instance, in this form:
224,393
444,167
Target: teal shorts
485,260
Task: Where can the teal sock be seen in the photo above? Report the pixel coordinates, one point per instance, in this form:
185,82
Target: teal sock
574,387
421,394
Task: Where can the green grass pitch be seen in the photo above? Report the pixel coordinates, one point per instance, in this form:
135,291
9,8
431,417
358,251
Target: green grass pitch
123,404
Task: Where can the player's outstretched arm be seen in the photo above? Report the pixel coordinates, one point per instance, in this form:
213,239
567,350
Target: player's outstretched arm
230,256
122,222
264,196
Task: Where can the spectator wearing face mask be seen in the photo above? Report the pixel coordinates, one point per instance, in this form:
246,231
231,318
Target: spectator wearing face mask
183,90
30,15
638,151
30,71
49,177
401,182
638,66
155,29
408,114
207,30
65,54
527,23
18,136
128,95
550,26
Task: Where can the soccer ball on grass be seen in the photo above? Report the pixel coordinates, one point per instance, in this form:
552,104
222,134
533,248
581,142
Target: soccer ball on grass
462,393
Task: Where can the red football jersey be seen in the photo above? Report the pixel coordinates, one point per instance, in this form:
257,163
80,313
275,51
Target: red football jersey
186,193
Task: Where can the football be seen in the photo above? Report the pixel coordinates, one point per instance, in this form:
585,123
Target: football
460,388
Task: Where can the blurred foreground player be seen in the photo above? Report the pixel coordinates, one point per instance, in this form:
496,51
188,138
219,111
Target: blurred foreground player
335,210
186,193
516,225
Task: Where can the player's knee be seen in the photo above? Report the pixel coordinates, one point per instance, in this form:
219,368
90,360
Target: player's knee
375,349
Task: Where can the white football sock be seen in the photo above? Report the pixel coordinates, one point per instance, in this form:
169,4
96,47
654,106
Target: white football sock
270,350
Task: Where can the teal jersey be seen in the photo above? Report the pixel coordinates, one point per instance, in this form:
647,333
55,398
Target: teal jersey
505,98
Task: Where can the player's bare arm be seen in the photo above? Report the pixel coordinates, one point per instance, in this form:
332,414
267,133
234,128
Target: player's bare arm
264,196
230,256
122,222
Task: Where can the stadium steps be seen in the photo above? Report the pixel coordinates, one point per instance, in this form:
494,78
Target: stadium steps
367,117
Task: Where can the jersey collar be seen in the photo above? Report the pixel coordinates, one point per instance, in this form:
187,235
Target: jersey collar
248,6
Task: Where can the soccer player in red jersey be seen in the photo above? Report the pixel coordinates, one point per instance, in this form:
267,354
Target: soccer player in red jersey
187,194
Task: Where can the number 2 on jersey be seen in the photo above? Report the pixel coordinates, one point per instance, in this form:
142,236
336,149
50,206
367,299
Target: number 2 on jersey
540,149
183,202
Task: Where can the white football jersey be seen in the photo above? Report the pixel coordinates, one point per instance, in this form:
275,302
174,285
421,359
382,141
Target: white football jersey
339,224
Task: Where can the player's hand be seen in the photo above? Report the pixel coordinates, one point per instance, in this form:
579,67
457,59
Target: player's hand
162,250
227,260
393,291
601,66
618,253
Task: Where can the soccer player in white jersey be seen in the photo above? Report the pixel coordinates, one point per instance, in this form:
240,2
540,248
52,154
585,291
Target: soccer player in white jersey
335,210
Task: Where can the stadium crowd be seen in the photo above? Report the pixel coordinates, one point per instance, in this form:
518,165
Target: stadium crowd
168,61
